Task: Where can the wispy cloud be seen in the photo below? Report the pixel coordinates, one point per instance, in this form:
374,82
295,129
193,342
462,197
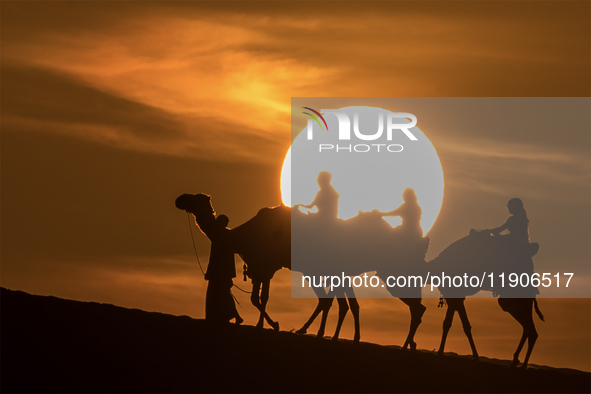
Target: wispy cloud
521,169
44,100
196,68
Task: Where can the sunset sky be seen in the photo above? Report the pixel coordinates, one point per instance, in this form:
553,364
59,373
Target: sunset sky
110,110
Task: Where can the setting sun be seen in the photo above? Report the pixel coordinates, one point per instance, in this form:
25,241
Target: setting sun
365,180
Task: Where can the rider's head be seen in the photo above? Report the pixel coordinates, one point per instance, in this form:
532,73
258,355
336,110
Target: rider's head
222,220
515,206
409,195
324,178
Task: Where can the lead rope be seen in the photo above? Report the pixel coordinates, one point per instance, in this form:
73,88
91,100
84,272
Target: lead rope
201,267
193,240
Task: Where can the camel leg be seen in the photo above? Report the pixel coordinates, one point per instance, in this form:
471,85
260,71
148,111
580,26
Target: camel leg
354,305
259,298
323,305
466,326
343,309
255,300
264,300
348,301
529,327
531,341
319,308
417,309
447,322
515,361
327,302
521,310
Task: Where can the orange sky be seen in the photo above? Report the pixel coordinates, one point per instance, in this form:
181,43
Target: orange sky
112,109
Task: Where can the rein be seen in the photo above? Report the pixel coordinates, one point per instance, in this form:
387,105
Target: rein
199,261
194,247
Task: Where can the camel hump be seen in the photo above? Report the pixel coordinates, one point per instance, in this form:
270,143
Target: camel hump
266,213
279,209
263,211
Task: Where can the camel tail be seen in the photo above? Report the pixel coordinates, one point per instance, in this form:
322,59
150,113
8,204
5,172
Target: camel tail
538,310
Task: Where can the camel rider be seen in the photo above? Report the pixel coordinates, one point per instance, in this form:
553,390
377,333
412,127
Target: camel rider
410,212
327,198
515,245
517,225
219,302
515,250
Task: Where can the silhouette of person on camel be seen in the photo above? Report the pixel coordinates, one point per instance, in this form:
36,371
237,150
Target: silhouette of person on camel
516,243
410,212
517,225
219,302
326,200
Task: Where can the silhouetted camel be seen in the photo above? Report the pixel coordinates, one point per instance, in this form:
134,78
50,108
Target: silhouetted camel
470,255
478,253
263,243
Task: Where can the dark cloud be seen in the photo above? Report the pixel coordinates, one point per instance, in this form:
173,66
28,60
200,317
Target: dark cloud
55,102
53,96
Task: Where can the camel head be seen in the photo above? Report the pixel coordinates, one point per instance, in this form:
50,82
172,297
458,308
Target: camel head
200,206
195,203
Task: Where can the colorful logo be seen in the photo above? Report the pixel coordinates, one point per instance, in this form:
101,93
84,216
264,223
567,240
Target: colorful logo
315,118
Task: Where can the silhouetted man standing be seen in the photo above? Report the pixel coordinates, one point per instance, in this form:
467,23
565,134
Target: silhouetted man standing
219,302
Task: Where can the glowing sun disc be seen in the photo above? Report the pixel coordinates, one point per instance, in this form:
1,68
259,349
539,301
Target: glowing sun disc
365,181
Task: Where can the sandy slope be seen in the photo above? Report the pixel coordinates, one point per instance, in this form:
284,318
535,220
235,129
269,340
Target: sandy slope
55,345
